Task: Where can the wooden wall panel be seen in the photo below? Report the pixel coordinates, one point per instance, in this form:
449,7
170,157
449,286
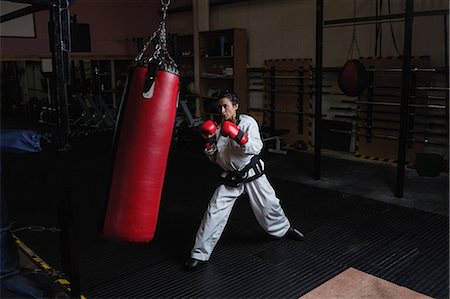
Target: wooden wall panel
287,92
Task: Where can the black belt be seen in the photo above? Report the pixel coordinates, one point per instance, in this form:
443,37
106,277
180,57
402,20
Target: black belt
234,178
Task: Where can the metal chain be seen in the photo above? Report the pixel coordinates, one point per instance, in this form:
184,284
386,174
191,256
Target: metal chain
354,43
144,48
354,40
161,53
37,228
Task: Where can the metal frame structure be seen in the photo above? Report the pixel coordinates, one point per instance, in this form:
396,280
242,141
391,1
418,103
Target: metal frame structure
59,36
408,18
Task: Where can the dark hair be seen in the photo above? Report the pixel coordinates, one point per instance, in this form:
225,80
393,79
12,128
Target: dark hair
231,96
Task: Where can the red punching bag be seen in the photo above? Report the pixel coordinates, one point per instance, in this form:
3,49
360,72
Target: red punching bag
353,78
142,147
141,144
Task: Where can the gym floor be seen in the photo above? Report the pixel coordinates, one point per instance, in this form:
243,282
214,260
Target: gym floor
350,219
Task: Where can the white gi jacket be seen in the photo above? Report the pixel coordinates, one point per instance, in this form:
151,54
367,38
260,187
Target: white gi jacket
229,155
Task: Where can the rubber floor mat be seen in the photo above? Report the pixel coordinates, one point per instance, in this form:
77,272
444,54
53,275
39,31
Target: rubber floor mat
401,245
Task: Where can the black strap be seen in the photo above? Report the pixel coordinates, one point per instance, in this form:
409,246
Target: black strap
258,172
255,159
234,178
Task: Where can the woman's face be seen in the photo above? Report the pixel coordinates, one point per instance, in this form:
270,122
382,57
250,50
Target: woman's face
227,109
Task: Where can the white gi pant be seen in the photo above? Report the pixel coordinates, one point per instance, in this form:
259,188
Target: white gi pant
265,205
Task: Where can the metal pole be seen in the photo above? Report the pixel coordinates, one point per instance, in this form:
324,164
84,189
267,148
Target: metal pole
59,30
370,93
23,12
446,66
406,75
60,46
300,99
200,10
318,97
272,97
381,18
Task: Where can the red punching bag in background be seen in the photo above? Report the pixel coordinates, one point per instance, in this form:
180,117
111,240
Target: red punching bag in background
141,145
353,78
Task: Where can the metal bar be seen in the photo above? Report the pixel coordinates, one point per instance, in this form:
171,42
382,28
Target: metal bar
60,47
301,95
426,141
272,75
428,97
285,91
446,58
272,97
412,132
433,88
370,96
396,104
278,90
36,2
318,95
282,111
285,71
22,12
438,69
401,70
69,243
406,75
188,7
290,84
396,130
427,124
411,96
350,109
411,107
282,84
380,19
396,96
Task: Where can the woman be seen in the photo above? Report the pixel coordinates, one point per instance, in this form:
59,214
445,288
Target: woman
236,146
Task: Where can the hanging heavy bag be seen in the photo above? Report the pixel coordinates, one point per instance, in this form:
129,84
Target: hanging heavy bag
142,140
353,77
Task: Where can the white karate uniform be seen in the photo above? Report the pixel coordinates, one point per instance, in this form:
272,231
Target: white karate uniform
231,156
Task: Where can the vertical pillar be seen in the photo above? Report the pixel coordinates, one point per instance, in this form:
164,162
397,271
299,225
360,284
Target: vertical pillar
301,99
318,92
59,31
369,122
406,75
60,47
446,54
200,9
273,97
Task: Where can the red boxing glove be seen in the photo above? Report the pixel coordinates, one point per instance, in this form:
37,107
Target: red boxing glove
230,129
207,130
